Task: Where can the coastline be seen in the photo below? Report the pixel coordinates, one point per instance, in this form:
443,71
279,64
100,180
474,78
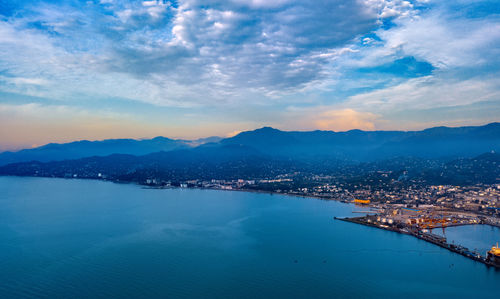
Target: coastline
148,227
143,186
427,237
357,220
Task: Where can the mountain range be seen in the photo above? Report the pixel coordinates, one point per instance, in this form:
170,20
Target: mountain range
441,155
85,148
355,145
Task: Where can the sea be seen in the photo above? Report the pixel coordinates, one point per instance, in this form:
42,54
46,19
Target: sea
69,238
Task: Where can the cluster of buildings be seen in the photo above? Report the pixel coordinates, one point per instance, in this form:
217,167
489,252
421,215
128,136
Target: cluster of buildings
383,193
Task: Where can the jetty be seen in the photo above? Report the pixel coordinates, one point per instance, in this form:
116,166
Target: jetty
423,235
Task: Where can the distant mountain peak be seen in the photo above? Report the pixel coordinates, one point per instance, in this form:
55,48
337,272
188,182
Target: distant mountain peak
161,138
264,130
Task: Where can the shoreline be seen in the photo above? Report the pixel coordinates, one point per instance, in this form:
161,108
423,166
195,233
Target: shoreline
357,220
143,186
427,237
178,187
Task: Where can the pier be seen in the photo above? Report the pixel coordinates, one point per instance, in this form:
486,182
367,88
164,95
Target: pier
426,236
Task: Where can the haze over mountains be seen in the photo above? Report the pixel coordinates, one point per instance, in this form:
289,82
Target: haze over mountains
463,155
357,145
354,145
85,148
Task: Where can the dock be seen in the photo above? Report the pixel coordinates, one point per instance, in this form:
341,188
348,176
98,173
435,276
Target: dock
426,236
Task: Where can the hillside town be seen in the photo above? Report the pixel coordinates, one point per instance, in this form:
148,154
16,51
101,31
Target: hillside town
479,199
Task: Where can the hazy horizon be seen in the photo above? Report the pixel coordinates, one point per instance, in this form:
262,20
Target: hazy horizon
232,134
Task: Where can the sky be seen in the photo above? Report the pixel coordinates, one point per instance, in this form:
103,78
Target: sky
72,70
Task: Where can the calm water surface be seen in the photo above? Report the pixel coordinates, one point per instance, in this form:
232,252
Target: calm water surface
475,237
75,238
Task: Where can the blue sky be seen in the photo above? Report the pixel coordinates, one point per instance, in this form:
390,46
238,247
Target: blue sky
74,70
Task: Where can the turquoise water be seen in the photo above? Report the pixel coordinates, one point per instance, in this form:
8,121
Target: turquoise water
77,238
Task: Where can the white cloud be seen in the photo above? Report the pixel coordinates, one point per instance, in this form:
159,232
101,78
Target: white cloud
262,3
426,93
197,53
463,50
25,81
445,43
391,8
253,53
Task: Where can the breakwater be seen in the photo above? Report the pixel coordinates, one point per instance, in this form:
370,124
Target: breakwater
422,235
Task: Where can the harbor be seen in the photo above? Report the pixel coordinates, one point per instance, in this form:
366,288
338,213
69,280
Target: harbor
421,228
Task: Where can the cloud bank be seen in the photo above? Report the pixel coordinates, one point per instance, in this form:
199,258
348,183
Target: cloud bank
240,64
